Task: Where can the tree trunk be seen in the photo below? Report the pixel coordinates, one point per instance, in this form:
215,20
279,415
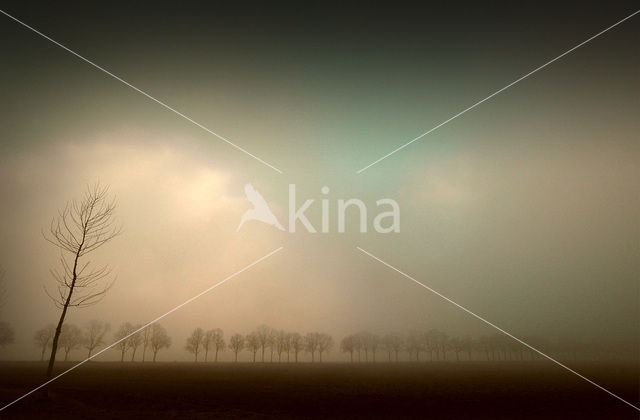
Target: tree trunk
154,355
122,355
215,359
206,354
144,350
89,355
44,349
54,345
66,355
133,355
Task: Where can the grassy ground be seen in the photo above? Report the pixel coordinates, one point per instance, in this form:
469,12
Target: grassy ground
427,390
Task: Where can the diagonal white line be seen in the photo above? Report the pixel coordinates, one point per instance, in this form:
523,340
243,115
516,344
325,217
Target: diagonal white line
141,91
144,326
498,91
496,327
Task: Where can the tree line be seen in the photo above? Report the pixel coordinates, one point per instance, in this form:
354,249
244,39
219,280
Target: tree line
435,345
279,344
266,344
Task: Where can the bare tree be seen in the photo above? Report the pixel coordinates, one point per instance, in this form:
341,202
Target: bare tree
357,345
287,345
347,345
263,333
325,343
443,340
71,338
468,344
311,341
135,341
392,344
414,344
80,228
146,341
42,338
253,343
6,334
194,342
3,289
280,343
457,346
297,344
122,339
271,343
207,342
94,334
374,342
217,338
159,339
236,343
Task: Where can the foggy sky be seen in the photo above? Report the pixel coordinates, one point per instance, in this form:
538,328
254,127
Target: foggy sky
525,210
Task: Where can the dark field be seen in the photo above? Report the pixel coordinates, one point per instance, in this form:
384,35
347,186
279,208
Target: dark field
426,390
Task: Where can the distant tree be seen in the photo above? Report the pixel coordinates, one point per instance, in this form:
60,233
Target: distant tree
357,345
207,343
311,344
218,342
80,228
347,345
236,343
264,335
70,339
3,289
430,343
468,344
414,344
287,345
392,343
122,339
325,344
457,346
363,341
6,334
94,333
253,343
159,339
42,338
280,342
297,344
441,341
374,342
194,342
485,343
272,343
135,341
146,341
